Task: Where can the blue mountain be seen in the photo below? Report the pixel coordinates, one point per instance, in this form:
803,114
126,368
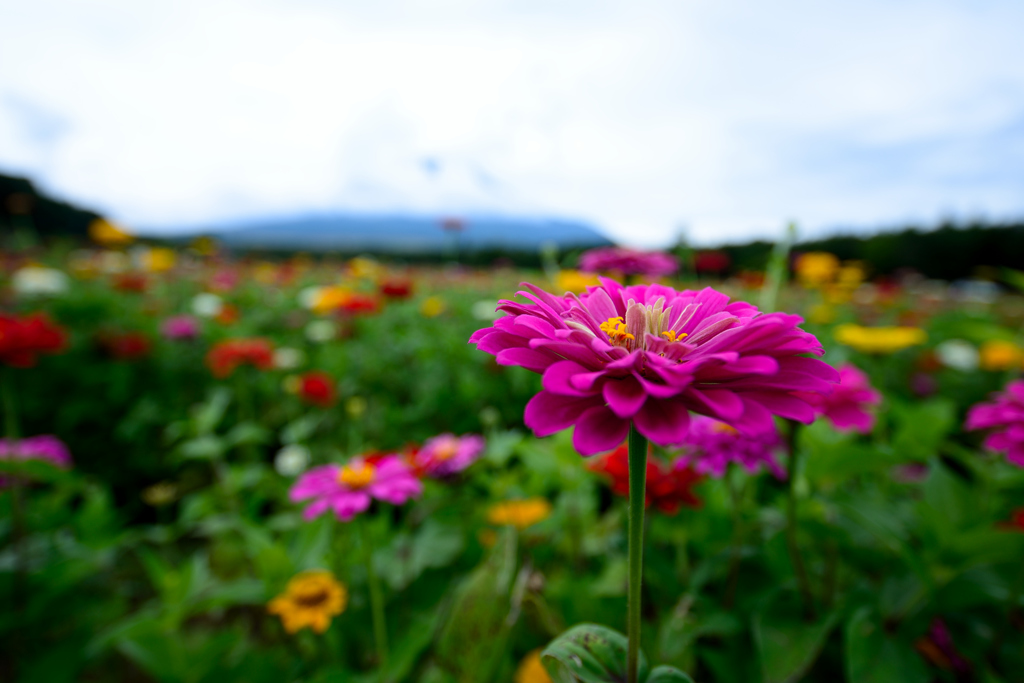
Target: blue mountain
407,234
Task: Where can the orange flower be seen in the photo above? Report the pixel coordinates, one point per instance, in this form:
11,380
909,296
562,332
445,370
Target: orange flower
227,355
311,599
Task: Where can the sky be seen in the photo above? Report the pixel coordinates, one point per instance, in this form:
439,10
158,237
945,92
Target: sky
718,120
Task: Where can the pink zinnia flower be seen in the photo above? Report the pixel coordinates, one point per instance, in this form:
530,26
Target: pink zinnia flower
711,445
648,354
1005,416
180,327
628,261
44,447
348,489
847,407
447,454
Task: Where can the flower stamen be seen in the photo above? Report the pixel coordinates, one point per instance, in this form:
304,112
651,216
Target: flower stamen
672,336
616,330
357,475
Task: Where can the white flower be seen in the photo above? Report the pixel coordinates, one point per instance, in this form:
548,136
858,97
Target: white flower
958,354
309,296
291,460
113,262
207,305
485,310
286,358
33,280
321,331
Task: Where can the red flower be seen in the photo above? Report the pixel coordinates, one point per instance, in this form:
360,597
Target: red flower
711,262
360,303
228,315
318,389
22,339
131,282
668,487
396,289
125,345
227,355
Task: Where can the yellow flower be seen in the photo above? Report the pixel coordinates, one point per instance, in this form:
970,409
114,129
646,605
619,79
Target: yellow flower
1000,355
328,299
310,599
361,268
880,339
815,268
432,306
160,494
355,407
574,281
851,274
204,245
519,513
531,670
106,233
158,260
264,273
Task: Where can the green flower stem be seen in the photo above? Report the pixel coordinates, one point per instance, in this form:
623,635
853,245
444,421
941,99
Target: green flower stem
803,582
637,501
19,588
11,430
246,411
380,629
736,494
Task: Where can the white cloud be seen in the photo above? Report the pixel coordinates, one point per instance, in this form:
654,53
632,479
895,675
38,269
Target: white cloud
728,117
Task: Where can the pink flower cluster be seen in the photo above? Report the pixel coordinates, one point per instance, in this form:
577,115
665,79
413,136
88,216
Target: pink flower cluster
849,405
348,489
446,454
628,261
45,447
649,355
1004,415
711,445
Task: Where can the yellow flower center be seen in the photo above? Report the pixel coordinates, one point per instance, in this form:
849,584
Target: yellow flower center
357,475
616,330
672,336
310,595
723,428
446,451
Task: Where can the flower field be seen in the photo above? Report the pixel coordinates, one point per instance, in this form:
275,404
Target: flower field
326,470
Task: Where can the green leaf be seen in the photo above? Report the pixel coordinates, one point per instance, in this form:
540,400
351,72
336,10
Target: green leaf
208,415
433,546
588,653
922,427
872,656
206,447
788,644
473,639
301,429
667,674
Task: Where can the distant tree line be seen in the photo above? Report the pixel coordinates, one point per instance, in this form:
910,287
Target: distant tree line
950,252
22,207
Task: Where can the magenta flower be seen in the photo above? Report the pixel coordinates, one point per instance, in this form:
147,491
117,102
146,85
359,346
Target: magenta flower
847,407
1005,416
447,454
648,354
711,445
348,489
180,327
628,261
44,447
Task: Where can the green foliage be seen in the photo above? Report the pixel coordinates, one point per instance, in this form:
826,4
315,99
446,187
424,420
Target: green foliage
155,556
